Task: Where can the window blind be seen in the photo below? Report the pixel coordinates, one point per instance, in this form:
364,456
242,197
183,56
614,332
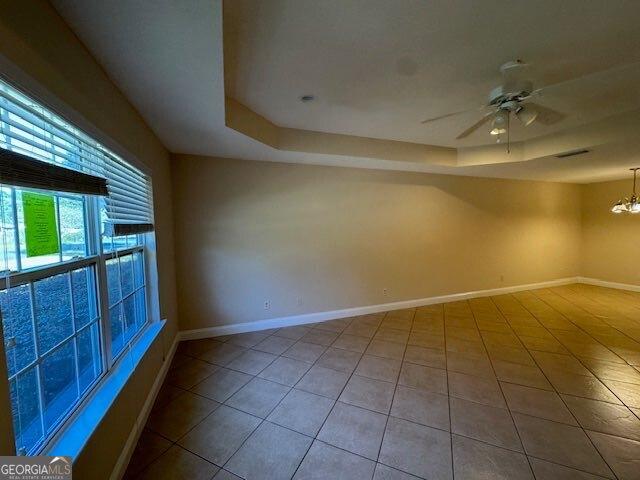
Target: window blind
21,170
29,129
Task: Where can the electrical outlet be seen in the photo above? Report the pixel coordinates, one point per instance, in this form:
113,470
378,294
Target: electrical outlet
267,304
385,292
299,301
502,278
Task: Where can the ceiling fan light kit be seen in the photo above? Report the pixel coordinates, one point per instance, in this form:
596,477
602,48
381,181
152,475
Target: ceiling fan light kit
512,97
629,205
499,124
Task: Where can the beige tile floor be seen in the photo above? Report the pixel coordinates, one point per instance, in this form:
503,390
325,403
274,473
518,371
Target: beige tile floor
541,384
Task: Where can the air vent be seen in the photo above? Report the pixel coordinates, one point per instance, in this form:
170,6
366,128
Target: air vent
572,153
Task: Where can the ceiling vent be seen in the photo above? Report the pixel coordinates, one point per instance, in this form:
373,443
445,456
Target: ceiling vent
572,153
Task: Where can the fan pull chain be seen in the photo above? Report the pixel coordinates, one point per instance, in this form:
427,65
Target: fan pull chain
509,132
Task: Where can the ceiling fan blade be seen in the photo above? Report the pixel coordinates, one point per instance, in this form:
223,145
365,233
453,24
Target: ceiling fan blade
487,116
629,70
440,117
546,116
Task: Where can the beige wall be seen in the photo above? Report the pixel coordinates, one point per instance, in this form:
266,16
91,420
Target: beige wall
37,47
610,243
249,232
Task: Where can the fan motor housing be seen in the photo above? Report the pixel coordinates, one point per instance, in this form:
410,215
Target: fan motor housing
513,91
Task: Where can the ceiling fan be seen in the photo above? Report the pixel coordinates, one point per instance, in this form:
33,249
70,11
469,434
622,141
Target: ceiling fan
512,98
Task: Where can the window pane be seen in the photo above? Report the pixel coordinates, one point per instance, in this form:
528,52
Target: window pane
138,269
17,324
113,281
89,364
36,261
129,308
128,314
6,208
117,331
126,274
59,385
8,257
133,240
111,242
84,298
141,308
25,408
72,227
53,311
107,245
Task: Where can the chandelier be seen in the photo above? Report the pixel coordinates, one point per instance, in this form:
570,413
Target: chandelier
629,205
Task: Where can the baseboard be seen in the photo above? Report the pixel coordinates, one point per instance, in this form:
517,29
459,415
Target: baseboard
130,445
604,283
352,312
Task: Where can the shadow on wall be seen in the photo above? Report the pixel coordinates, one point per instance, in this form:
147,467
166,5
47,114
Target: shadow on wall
308,239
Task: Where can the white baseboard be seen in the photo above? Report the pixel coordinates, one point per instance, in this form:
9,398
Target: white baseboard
123,460
604,283
352,312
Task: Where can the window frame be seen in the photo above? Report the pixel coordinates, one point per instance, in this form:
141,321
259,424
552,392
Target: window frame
104,299
112,373
96,258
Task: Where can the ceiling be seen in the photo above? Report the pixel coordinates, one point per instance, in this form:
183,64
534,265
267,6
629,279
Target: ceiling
377,69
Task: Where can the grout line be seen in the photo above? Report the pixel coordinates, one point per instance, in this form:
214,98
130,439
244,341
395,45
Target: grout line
504,315
430,426
604,321
335,402
263,420
504,398
214,410
395,387
446,365
352,453
573,355
479,377
558,393
587,332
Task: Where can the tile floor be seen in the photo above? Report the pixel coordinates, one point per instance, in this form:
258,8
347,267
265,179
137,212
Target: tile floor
541,384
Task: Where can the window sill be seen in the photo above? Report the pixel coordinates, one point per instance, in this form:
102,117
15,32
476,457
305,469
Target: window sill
73,436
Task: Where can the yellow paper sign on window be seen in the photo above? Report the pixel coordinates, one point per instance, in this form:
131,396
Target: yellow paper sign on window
41,229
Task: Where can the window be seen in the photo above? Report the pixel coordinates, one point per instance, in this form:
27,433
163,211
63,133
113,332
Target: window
126,286
73,289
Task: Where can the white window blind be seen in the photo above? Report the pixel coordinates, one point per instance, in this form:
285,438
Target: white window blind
29,129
